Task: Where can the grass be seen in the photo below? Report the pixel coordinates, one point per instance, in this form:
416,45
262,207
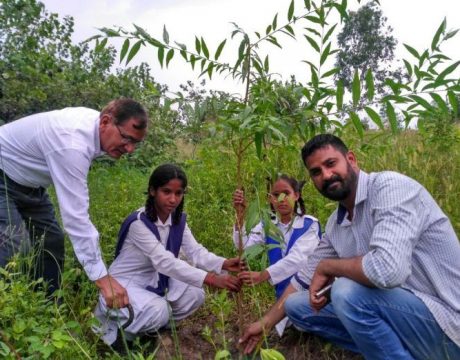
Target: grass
33,328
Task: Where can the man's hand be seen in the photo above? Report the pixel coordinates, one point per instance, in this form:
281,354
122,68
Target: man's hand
234,265
251,337
114,294
252,278
320,280
228,282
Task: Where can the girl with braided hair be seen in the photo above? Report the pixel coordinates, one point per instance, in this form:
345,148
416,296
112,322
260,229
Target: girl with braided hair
159,284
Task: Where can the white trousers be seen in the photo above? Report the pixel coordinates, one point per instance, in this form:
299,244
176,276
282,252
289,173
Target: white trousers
151,312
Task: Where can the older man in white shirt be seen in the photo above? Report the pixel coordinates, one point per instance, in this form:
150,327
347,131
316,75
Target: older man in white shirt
57,147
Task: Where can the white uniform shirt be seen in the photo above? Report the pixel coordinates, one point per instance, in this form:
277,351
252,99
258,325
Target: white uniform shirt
57,147
298,254
142,257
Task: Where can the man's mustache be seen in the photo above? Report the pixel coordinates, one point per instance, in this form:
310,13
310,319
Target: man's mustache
330,181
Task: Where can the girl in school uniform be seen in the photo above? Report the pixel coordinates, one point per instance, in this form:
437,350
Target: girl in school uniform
301,234
147,263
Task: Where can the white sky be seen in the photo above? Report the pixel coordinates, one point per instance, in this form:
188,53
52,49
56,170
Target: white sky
414,22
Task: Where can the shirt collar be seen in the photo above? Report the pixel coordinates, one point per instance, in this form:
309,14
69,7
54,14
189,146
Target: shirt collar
361,195
296,224
168,222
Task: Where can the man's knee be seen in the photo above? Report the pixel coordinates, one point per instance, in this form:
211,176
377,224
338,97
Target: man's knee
347,294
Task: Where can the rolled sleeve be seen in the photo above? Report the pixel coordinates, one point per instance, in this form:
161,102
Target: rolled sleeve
398,216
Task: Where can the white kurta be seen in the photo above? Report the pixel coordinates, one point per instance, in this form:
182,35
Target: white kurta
138,265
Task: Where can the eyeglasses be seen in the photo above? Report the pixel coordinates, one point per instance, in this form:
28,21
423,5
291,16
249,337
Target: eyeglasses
127,139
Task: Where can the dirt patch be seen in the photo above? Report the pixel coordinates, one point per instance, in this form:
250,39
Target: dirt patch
192,345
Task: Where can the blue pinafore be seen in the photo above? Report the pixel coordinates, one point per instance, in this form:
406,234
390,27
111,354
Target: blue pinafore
275,254
173,243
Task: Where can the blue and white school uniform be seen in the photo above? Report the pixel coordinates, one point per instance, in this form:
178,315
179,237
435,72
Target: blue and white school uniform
138,266
300,239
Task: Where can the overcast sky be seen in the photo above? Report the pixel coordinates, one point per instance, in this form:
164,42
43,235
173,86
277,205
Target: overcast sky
414,22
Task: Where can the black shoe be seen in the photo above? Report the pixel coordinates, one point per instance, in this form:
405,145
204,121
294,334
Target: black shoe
119,345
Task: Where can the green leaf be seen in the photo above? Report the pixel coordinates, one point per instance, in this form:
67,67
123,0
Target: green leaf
421,101
257,66
450,34
339,94
447,71
197,45
312,43
169,56
210,68
330,72
314,19
375,117
369,85
325,54
266,64
134,50
204,48
258,141
274,22
192,61
165,35
307,4
412,51
268,29
453,101
109,32
183,53
273,40
161,55
356,88
222,354
437,36
392,118
271,354
290,29
290,11
124,49
408,67
357,123
219,49
329,33
440,102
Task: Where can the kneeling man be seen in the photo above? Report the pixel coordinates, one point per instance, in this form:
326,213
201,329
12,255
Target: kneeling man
392,257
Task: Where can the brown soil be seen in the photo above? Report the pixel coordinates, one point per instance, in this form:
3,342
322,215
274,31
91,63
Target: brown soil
193,346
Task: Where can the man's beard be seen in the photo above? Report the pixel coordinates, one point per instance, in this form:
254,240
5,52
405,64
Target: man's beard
343,186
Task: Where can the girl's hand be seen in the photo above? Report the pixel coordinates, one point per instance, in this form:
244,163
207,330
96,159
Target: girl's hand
239,203
228,282
252,278
234,265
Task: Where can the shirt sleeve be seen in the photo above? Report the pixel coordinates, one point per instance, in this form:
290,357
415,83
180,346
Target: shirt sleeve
163,260
398,215
297,257
198,255
69,169
256,236
322,251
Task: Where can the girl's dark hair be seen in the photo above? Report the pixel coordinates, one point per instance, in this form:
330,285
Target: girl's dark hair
160,177
299,206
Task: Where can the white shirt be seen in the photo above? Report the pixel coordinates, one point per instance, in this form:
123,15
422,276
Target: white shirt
298,254
57,147
143,256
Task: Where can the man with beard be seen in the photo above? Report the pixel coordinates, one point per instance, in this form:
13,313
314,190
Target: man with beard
391,256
